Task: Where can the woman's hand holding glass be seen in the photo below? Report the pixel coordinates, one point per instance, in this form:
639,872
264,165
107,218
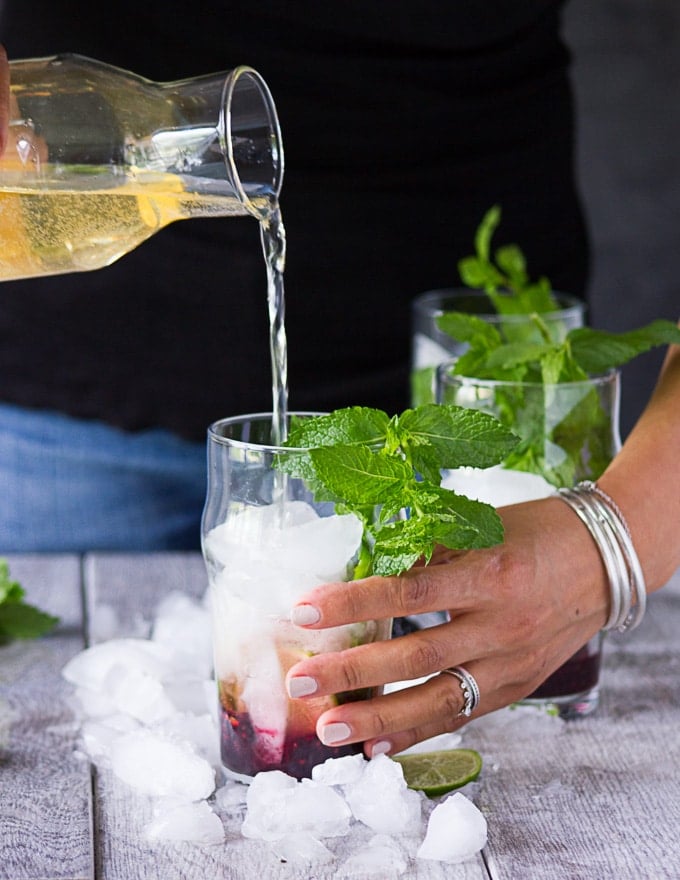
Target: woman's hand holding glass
517,611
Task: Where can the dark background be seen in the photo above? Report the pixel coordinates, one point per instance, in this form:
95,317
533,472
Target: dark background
626,72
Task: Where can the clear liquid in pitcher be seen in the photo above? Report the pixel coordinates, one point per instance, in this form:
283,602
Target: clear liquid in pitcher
49,233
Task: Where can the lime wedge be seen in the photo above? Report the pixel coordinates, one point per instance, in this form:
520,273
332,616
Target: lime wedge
436,773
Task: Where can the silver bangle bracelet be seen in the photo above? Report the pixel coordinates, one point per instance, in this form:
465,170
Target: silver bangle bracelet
638,587
608,528
609,552
601,512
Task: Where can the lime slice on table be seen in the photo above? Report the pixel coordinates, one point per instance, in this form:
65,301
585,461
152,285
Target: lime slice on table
436,773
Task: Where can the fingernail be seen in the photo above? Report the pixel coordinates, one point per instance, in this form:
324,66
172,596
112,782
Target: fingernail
380,748
332,734
304,615
302,686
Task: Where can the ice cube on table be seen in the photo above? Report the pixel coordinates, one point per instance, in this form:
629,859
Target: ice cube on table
93,704
156,764
185,628
231,796
340,771
396,809
90,668
186,821
302,848
382,857
98,737
456,831
279,805
198,730
497,485
137,694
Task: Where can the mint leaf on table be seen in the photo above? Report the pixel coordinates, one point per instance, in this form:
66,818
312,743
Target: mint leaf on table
19,620
362,459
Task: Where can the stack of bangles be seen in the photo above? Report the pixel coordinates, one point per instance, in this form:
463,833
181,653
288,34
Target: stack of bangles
605,522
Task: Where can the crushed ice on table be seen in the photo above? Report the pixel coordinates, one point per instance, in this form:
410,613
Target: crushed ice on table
456,831
157,764
183,820
148,715
301,847
231,797
381,857
279,805
396,810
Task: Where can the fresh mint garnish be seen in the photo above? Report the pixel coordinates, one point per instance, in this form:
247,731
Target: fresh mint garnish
18,620
503,275
583,352
578,446
363,461
582,433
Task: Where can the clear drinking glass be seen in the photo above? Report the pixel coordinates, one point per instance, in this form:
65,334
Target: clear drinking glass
99,159
570,431
265,542
430,346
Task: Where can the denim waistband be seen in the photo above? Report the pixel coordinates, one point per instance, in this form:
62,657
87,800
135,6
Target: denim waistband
70,485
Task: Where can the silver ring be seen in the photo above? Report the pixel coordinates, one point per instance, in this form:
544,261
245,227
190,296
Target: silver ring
469,687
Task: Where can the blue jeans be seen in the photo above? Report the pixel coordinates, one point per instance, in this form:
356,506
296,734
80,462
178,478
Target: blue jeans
71,486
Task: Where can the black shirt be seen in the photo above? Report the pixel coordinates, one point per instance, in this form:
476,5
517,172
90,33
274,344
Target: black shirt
402,123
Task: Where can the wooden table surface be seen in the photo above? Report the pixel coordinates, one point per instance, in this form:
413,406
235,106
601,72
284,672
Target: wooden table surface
588,800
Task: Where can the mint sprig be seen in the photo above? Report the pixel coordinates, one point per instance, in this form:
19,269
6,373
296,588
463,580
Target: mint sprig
364,461
584,351
503,275
18,619
582,433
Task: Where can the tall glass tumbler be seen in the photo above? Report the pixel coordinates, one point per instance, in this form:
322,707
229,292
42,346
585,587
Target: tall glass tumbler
430,346
265,541
569,432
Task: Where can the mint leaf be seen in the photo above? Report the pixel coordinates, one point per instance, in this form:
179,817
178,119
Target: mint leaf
354,425
18,619
365,461
485,232
360,476
597,351
505,281
439,437
573,445
511,260
21,621
399,545
514,354
469,328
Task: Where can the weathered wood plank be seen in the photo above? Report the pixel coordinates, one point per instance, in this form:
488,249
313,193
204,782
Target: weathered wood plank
133,586
602,797
123,590
45,789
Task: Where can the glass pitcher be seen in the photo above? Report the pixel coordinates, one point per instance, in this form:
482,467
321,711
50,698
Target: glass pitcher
99,159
